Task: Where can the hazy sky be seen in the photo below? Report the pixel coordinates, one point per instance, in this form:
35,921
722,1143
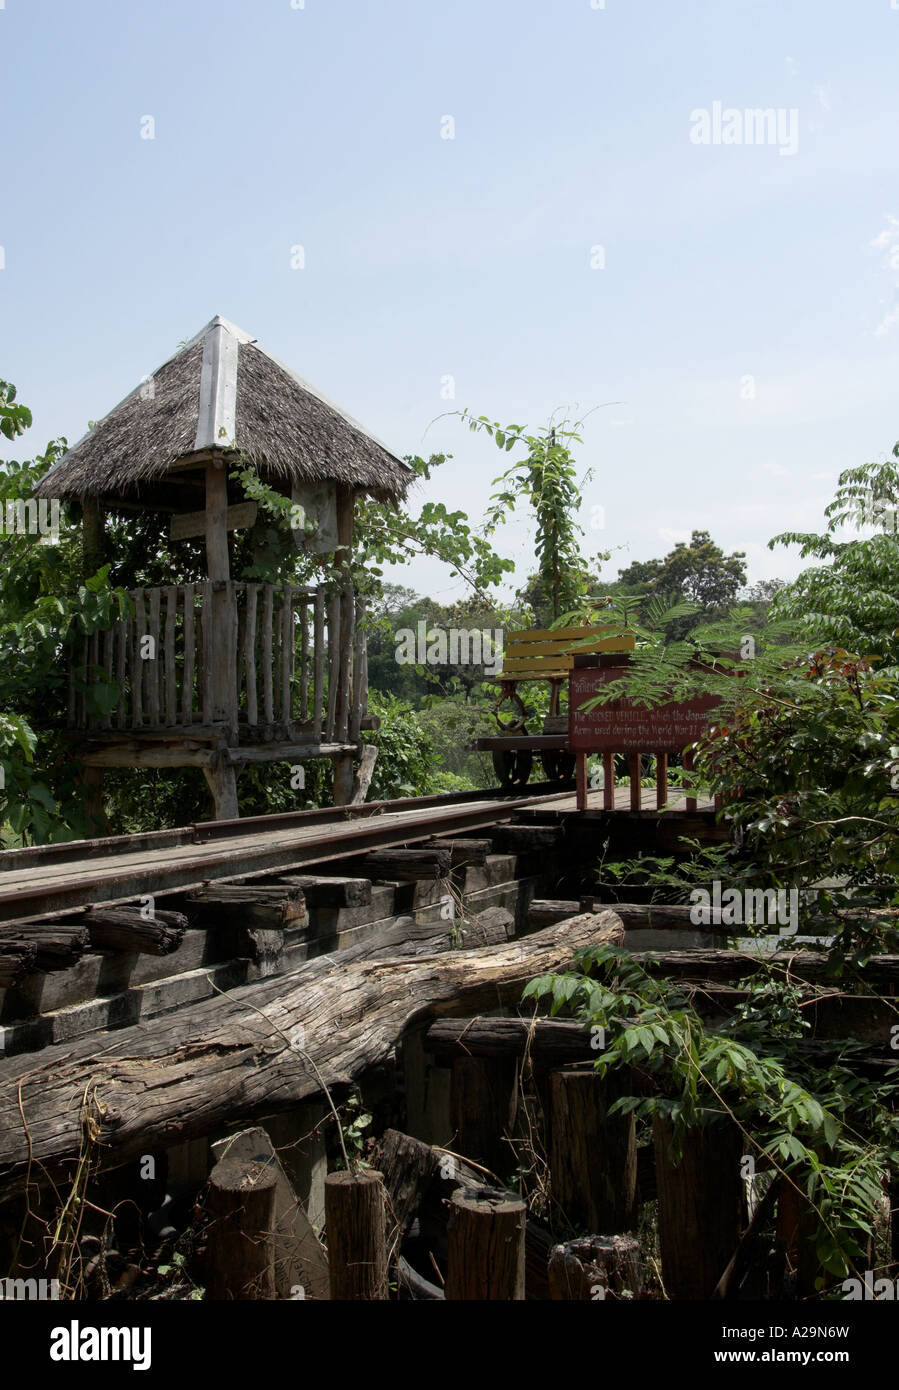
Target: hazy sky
573,244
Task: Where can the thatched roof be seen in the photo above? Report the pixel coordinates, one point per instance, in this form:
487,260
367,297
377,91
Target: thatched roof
223,391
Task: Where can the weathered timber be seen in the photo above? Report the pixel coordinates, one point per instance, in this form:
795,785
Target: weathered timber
356,1223
246,905
544,911
526,839
595,1267
297,1256
240,1206
484,928
330,892
593,1153
180,1076
545,1040
124,929
485,1260
364,774
729,1282
706,965
406,864
58,944
700,1206
16,960
420,1179
483,1106
464,851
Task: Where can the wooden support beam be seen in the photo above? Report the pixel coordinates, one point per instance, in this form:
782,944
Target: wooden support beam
594,1154
238,1260
483,1107
124,929
700,1206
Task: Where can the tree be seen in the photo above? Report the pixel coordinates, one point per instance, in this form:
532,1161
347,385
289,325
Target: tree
700,572
851,600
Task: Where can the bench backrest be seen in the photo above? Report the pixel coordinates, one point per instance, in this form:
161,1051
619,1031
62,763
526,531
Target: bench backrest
541,652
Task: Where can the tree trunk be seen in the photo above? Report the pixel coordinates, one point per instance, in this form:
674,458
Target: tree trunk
486,1246
232,1058
595,1267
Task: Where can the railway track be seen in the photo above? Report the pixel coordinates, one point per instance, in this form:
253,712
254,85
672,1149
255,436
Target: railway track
48,881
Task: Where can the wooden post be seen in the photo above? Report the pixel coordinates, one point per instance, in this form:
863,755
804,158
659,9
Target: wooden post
608,781
593,1154
636,789
217,567
688,767
483,1106
221,778
700,1206
485,1259
238,1262
580,761
661,779
92,536
356,1223
595,1267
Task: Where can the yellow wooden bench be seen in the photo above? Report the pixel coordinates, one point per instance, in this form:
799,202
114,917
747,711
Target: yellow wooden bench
545,654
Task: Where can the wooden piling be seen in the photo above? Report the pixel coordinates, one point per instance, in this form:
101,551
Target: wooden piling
485,1259
700,1206
356,1224
238,1262
595,1267
593,1153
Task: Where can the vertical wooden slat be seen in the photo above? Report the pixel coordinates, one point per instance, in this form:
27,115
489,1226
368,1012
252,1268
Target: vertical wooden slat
318,664
268,705
661,779
154,665
81,697
107,639
304,657
171,692
358,672
333,664
688,767
608,781
137,673
233,685
93,675
121,632
206,653
187,670
70,707
286,650
636,790
581,785
347,636
249,653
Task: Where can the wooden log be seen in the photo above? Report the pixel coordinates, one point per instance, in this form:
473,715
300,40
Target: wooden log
298,1260
483,1108
124,929
356,1223
595,1267
263,905
700,1206
144,1094
190,656
17,959
238,1262
486,928
58,944
486,1246
547,1041
593,1153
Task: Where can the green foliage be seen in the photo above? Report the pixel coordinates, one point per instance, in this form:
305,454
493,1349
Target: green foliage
852,600
406,764
830,1139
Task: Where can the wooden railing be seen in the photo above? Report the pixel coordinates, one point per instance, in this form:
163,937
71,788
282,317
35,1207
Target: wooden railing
295,662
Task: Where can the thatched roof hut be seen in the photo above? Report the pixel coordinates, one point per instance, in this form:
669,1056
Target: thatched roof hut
221,391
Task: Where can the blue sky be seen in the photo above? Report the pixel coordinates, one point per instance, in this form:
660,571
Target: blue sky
470,258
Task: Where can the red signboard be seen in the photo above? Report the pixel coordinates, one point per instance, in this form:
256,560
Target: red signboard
624,727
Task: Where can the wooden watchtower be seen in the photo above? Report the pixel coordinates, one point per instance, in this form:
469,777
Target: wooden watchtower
218,673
